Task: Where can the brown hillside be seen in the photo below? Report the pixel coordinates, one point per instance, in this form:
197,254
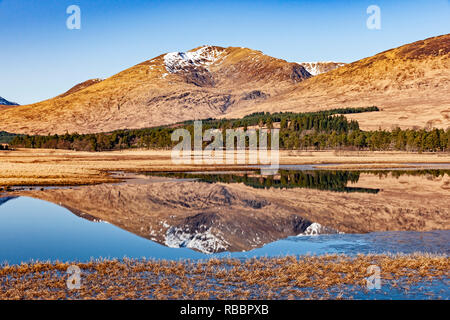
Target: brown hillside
411,84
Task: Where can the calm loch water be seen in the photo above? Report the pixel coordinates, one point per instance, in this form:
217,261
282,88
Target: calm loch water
35,229
32,229
200,215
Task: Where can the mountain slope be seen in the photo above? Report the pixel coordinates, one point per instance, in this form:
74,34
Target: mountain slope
411,85
204,82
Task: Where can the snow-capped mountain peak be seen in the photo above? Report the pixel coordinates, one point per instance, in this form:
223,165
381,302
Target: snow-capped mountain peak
203,56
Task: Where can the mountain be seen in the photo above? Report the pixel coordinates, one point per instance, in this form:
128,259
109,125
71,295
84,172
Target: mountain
201,83
5,102
315,68
410,85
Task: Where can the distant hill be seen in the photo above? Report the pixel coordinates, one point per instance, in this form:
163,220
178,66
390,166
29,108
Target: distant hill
7,103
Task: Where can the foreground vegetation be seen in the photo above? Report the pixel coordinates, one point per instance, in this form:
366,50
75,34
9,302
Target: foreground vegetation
304,277
298,131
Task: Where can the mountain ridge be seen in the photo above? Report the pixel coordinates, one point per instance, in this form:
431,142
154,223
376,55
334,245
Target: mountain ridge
152,93
409,83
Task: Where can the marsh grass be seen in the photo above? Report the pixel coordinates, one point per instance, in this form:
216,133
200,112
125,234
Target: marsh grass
290,277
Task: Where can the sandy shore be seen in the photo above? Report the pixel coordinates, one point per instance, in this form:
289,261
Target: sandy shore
63,167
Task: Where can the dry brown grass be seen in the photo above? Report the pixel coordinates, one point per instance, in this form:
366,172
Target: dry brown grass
306,277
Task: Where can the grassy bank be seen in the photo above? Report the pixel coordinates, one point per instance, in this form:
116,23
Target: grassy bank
305,277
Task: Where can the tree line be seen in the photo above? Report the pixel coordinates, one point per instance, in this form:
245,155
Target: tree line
404,140
6,137
301,131
288,179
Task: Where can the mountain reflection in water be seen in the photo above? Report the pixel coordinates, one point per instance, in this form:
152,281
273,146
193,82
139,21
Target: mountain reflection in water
32,229
235,212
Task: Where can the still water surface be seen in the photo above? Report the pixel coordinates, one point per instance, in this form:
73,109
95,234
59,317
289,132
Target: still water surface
32,229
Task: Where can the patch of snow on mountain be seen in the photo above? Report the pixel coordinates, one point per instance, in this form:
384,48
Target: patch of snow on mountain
204,56
315,68
203,241
315,229
311,68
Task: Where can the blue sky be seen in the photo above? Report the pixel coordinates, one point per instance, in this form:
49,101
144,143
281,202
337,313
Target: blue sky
41,58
